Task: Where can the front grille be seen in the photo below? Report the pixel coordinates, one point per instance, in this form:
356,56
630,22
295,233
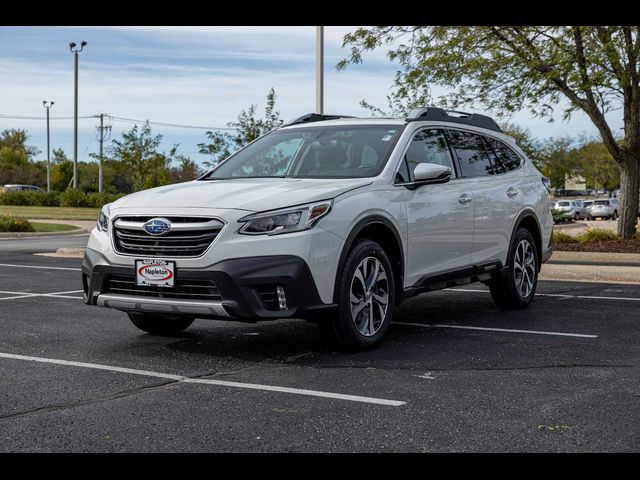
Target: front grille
184,289
188,237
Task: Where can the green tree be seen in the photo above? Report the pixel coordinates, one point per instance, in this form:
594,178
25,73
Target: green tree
596,164
16,159
139,158
16,140
593,68
186,170
557,159
247,129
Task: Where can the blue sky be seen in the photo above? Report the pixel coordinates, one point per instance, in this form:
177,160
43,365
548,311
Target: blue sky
189,75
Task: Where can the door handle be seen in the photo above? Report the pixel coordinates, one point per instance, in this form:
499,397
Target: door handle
512,192
464,198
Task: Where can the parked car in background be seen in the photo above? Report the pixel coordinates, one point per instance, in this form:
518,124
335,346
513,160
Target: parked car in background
604,209
572,209
587,205
20,188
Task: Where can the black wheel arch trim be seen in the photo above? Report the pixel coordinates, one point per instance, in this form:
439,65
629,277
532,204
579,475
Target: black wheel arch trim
528,212
353,234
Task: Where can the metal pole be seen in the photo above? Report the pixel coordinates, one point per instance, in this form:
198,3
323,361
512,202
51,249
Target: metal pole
320,70
48,156
75,121
100,160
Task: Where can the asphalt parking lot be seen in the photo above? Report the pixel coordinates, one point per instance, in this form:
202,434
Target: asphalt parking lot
455,374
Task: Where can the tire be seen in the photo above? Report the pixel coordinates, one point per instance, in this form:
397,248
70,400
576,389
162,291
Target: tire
513,291
160,324
366,331
615,215
576,217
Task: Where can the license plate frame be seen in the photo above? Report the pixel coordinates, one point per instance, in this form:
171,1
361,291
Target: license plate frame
155,272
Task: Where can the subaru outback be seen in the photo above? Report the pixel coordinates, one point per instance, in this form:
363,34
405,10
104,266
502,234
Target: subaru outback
330,219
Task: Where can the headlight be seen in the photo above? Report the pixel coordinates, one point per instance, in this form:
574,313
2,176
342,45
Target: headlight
286,220
103,219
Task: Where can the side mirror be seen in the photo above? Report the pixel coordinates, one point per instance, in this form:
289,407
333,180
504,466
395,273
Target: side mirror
430,173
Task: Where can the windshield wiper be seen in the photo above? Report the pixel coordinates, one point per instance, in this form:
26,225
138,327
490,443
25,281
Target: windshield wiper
240,178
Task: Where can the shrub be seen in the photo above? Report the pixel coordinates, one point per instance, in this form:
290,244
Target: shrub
73,198
48,199
43,199
597,235
97,200
561,237
559,216
9,223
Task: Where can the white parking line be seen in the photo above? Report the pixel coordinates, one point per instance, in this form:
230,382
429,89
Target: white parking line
17,295
506,330
182,379
559,295
40,266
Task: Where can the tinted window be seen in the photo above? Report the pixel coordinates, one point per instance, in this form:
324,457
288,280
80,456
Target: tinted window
427,146
507,158
472,154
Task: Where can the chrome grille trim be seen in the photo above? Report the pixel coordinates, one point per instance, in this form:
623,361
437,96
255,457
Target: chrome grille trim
175,226
190,236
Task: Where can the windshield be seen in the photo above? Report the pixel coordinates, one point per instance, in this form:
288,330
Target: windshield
601,202
316,152
563,204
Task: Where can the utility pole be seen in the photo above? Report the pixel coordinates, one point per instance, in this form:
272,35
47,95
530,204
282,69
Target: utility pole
75,109
47,106
320,70
101,138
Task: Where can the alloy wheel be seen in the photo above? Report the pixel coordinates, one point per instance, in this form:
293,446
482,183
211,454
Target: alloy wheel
369,296
524,268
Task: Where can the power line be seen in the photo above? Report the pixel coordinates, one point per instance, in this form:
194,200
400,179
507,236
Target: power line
35,117
122,119
197,127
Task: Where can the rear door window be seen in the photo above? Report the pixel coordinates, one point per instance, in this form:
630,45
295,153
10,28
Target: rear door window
472,154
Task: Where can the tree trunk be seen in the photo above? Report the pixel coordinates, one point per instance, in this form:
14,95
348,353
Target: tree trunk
629,186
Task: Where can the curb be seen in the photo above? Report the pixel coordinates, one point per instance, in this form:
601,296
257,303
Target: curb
27,235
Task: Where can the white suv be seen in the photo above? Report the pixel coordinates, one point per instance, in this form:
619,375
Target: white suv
330,219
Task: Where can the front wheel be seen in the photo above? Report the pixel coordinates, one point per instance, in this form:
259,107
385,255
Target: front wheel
518,286
366,296
160,324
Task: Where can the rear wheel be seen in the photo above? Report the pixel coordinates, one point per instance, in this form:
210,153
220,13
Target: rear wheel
366,296
516,289
576,217
160,324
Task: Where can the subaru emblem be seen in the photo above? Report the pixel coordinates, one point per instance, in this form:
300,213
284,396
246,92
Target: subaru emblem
157,226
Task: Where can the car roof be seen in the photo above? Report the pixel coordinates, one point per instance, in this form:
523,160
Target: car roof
394,121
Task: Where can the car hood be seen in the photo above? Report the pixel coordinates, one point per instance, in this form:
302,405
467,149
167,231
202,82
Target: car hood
252,194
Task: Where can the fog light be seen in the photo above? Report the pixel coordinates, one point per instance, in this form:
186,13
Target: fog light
282,299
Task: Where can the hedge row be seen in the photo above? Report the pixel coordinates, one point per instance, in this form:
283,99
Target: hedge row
69,198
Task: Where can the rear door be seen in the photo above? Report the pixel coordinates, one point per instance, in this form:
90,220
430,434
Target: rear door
495,195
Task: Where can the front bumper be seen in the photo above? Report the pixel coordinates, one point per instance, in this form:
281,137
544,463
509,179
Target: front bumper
239,281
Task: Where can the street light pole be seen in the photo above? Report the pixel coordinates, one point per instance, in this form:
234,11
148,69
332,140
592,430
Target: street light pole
47,106
320,70
75,109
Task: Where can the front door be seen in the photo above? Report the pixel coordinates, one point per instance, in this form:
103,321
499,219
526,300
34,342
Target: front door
439,217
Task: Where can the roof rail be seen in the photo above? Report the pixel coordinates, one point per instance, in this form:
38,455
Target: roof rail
314,117
441,115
